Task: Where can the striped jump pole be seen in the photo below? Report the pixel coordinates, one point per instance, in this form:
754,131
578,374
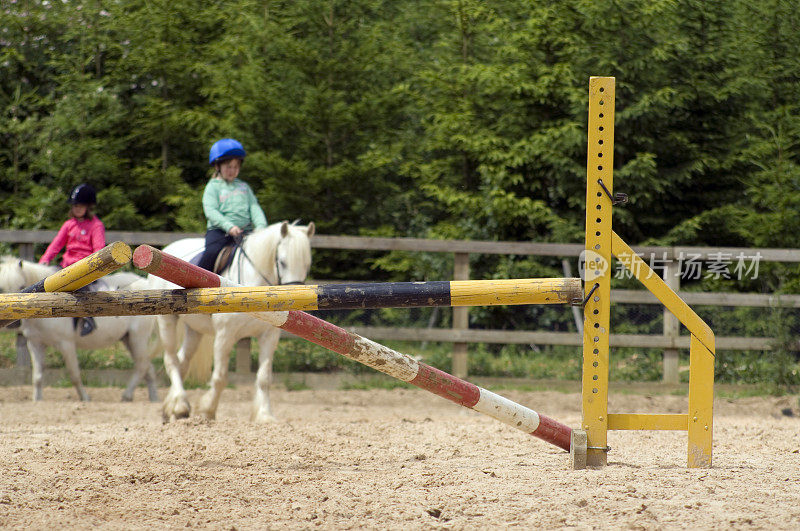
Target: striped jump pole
369,353
81,273
235,299
380,295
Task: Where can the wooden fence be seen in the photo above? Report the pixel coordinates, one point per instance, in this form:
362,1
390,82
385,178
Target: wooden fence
670,259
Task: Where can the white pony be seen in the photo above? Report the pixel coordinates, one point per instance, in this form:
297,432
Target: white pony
135,332
278,254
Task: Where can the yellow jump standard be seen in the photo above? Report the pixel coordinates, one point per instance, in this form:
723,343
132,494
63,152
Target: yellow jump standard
601,244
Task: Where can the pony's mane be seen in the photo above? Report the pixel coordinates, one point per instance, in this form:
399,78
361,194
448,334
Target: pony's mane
260,246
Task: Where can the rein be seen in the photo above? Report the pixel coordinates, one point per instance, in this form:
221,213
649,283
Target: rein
239,246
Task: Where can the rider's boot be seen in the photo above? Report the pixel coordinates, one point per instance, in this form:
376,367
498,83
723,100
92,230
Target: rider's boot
87,325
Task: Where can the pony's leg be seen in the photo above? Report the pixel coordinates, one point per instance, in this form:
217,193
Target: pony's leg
136,375
176,405
149,379
152,383
70,356
223,343
136,343
37,367
262,409
152,347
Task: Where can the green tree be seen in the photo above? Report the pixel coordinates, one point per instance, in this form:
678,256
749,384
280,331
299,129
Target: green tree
157,50
308,88
681,104
28,35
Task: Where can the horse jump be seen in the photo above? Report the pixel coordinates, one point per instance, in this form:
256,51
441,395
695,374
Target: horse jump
369,353
589,444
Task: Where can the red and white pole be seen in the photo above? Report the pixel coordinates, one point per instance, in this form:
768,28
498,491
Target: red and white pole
368,352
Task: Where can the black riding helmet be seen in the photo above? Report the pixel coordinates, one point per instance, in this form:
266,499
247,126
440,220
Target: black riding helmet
83,194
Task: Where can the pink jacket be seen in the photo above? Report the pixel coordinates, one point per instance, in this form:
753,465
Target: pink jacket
82,238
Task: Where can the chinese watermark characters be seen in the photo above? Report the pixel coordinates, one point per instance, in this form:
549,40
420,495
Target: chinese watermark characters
691,266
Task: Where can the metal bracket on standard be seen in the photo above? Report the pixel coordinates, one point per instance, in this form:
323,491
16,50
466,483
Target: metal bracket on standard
582,302
617,199
577,449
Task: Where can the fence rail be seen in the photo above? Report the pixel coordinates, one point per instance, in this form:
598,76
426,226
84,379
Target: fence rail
365,243
461,335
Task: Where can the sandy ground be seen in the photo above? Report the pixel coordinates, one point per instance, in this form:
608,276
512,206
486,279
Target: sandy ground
384,460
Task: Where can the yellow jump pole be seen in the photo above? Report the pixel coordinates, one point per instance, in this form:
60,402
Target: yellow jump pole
81,273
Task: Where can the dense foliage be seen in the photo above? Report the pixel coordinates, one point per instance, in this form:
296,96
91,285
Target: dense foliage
462,119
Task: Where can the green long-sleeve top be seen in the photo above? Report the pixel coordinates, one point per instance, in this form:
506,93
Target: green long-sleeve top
231,204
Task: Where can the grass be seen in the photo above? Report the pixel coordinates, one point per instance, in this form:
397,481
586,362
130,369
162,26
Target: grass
190,383
113,357
745,391
752,373
375,383
295,385
8,349
63,383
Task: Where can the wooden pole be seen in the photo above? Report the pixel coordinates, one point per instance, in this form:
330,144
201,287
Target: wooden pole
577,314
281,298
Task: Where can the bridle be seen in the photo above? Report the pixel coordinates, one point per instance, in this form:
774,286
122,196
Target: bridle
240,247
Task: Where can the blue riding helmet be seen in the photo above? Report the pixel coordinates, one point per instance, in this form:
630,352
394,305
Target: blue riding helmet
225,149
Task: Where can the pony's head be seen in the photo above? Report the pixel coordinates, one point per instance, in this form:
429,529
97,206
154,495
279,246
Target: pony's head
16,274
281,253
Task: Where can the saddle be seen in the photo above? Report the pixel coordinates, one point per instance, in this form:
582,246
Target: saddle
224,258
222,261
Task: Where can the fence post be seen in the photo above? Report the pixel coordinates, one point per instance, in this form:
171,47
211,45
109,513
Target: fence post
26,251
672,277
460,317
243,356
